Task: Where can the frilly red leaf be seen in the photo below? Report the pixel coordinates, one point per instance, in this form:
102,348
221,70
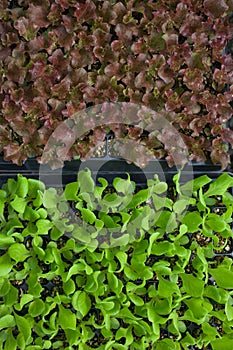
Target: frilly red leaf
215,8
26,28
227,136
38,15
219,153
85,11
61,89
15,153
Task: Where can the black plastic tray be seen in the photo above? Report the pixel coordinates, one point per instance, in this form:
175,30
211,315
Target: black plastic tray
111,169
32,164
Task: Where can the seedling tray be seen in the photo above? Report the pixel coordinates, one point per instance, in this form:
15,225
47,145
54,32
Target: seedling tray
108,167
53,285
31,164
110,170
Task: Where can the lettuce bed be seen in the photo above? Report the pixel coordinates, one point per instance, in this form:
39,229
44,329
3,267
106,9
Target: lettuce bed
99,267
60,57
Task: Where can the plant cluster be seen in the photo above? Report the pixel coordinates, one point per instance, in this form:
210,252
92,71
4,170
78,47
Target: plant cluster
135,269
60,57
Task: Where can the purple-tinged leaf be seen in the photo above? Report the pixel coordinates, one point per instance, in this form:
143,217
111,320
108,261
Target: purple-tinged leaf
117,46
59,61
26,28
193,78
227,135
173,100
15,153
55,13
108,12
124,33
15,73
114,69
139,47
100,36
36,108
219,153
171,41
17,95
42,86
85,11
215,8
81,58
37,70
190,25
60,36
4,53
119,11
38,15
166,74
72,108
99,52
70,23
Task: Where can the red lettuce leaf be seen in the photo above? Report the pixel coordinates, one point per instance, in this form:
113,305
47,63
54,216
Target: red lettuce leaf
215,8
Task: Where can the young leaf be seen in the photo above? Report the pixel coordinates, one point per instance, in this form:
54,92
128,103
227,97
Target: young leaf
67,319
138,301
215,222
31,214
7,321
167,344
108,220
71,191
192,285
43,226
37,202
50,198
224,342
219,186
5,265
223,277
11,343
86,183
160,187
209,330
22,186
167,288
161,202
99,189
81,302
195,184
229,309
139,198
36,308
88,215
198,309
34,186
18,204
192,220
114,283
18,252
123,240
69,287
161,248
217,294
111,200
24,326
124,186
11,186
180,205
130,273
162,306
26,298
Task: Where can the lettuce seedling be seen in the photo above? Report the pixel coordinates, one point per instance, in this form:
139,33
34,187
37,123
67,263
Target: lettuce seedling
127,274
